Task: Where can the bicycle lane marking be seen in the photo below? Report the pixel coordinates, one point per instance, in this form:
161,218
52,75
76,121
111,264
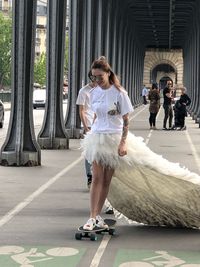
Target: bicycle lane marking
41,256
100,251
150,258
9,215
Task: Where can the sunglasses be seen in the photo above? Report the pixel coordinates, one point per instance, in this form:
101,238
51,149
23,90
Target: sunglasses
94,78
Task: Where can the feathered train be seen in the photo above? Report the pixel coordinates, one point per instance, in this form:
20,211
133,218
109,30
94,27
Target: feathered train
146,188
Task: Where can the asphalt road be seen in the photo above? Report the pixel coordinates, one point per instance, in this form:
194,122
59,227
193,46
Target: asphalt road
41,208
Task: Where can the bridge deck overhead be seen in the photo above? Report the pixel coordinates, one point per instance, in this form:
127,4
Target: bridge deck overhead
164,23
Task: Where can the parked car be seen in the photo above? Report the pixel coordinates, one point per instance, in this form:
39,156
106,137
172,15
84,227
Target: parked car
1,114
39,98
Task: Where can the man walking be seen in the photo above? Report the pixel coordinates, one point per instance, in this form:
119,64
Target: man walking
86,116
144,94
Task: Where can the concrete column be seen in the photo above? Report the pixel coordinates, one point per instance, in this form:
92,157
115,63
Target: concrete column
197,74
53,134
107,29
20,147
120,51
98,39
124,54
84,68
72,121
116,41
88,54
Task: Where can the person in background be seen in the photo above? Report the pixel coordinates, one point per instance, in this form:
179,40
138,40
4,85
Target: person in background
154,105
86,116
180,110
167,105
105,145
145,94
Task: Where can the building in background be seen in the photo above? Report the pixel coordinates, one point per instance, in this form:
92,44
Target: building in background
41,27
41,23
5,5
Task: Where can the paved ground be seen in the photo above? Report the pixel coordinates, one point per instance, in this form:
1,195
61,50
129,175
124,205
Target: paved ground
41,208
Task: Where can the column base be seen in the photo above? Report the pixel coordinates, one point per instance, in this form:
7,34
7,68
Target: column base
75,133
26,158
55,143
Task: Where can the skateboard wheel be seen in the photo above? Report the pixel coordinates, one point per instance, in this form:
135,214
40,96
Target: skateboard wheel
93,237
78,236
111,231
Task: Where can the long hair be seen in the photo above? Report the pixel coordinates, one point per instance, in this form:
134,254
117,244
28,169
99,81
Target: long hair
154,86
102,64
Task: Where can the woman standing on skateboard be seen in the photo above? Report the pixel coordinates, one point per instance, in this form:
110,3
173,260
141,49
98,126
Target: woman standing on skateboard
105,145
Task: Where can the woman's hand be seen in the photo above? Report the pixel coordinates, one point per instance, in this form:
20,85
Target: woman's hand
122,150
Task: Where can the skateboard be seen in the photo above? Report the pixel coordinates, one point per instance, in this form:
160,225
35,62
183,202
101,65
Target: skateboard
92,235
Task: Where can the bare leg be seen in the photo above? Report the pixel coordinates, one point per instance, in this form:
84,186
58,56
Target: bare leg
99,189
108,173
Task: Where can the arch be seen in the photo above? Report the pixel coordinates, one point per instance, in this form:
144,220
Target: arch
154,58
163,70
164,62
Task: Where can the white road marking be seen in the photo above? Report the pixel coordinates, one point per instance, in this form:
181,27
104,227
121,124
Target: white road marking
100,251
148,137
135,115
6,218
194,151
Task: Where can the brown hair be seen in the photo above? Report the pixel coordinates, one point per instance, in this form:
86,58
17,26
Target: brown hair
102,64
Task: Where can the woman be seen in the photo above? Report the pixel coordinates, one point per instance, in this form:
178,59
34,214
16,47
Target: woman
143,186
154,105
180,110
106,142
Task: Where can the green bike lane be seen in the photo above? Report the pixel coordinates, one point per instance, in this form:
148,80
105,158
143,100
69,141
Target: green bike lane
41,233
145,247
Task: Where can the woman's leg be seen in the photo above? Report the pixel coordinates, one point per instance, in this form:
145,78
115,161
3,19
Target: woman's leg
100,187
154,119
108,173
150,120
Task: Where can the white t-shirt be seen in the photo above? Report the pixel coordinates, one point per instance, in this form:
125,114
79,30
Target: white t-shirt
84,99
145,91
109,105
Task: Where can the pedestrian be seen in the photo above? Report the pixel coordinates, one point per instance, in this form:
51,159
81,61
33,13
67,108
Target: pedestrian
167,105
154,105
86,115
145,94
180,110
105,144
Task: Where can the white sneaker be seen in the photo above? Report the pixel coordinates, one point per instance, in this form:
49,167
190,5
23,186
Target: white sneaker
90,224
100,222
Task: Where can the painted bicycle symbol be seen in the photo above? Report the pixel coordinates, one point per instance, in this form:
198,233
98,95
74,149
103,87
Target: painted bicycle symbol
162,259
28,258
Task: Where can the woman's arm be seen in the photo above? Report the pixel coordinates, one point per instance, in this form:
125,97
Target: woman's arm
83,117
122,149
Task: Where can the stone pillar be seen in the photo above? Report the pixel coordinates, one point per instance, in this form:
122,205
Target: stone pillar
53,134
20,147
72,121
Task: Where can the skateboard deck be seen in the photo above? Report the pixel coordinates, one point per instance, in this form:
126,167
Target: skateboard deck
82,233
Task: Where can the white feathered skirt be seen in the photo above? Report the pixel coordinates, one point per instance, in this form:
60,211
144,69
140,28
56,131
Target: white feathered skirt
146,188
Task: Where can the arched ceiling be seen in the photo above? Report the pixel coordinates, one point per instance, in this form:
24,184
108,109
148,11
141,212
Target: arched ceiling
162,23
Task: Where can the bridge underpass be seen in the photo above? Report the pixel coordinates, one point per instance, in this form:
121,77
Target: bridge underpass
123,33
41,208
